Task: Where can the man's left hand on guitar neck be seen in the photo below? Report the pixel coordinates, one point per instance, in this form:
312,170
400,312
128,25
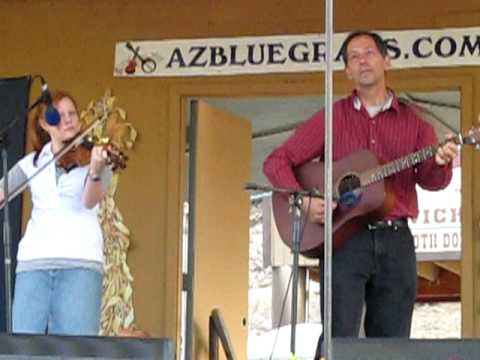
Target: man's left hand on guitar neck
447,152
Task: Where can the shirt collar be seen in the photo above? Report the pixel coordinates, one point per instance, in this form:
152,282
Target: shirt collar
46,153
391,101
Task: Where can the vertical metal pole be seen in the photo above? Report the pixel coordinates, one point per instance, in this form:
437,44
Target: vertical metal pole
7,243
327,321
296,214
192,135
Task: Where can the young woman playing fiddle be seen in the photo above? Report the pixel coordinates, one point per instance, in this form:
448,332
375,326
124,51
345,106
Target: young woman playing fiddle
60,257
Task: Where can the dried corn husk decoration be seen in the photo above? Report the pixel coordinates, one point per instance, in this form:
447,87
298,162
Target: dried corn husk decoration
117,301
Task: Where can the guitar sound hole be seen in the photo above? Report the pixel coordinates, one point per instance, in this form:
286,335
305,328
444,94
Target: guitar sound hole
348,190
348,183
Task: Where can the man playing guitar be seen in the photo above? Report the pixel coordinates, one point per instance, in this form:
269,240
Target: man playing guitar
376,265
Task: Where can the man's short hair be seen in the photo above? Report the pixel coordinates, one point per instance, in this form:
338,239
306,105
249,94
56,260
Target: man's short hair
379,42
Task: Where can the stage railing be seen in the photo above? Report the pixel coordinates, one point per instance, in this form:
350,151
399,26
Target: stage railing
218,330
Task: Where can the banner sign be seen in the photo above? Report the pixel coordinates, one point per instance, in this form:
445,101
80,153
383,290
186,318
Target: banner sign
288,53
437,229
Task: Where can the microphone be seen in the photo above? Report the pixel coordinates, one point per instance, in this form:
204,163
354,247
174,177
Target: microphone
255,187
51,114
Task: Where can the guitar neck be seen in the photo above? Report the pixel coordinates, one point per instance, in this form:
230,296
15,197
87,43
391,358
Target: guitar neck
381,172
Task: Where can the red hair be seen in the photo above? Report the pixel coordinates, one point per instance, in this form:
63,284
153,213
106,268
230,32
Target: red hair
38,135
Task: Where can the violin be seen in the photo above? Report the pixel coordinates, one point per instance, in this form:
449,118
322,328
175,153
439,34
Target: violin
79,155
79,149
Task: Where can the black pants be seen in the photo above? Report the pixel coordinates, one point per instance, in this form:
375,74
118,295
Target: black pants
376,268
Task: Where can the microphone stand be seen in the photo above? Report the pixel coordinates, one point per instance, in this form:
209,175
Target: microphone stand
5,204
296,209
7,242
6,235
295,201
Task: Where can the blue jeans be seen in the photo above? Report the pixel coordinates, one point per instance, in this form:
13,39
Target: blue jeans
375,268
61,302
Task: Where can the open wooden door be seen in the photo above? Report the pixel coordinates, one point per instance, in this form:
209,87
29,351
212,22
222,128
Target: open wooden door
221,155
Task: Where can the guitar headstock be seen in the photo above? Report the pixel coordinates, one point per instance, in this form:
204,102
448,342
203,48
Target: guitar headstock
472,137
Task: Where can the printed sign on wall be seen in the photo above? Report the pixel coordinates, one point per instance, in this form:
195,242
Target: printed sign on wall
289,53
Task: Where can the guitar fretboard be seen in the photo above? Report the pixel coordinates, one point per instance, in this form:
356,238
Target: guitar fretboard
400,164
381,172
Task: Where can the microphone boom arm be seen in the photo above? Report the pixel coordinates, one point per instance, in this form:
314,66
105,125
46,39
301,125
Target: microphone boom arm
314,193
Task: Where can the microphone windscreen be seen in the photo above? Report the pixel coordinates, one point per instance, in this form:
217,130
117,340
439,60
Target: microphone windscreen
52,116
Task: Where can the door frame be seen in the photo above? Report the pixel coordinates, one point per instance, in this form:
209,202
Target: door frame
308,84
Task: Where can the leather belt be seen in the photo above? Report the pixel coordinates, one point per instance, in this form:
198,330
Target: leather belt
389,224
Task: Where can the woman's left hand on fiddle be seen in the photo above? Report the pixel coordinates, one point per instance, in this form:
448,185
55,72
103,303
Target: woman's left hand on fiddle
447,152
98,159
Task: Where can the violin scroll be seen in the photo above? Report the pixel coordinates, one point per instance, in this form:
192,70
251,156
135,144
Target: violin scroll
116,158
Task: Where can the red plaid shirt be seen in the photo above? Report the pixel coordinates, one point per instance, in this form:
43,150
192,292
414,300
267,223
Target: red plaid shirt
394,132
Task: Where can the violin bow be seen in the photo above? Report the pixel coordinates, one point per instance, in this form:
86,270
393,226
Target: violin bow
77,140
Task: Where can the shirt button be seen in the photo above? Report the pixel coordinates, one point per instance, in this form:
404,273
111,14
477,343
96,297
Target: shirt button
373,141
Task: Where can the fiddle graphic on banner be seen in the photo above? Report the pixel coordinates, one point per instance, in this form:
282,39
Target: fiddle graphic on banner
137,61
147,64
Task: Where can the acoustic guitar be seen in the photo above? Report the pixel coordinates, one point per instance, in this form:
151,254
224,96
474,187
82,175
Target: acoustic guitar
360,186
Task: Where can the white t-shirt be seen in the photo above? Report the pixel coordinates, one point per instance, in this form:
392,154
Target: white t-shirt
60,225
